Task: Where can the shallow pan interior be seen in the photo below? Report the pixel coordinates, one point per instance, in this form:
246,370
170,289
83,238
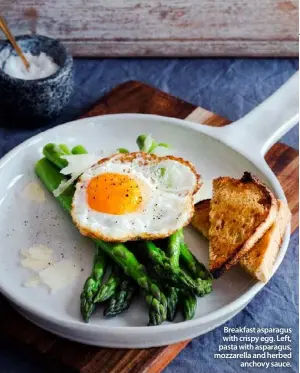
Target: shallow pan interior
24,222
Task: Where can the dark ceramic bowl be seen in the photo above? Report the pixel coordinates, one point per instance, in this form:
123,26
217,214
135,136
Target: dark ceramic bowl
37,100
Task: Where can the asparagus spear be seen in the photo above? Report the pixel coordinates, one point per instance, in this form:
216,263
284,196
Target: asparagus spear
91,286
196,268
121,300
189,304
54,152
172,302
108,289
170,292
123,150
143,142
147,144
176,276
173,252
173,248
51,178
155,298
79,149
54,156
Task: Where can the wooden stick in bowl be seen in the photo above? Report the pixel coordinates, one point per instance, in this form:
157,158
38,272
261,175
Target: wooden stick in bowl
10,37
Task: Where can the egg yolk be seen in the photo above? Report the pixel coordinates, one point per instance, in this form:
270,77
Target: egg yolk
114,194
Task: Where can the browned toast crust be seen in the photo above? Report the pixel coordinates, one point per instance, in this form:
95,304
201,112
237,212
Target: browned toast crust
200,219
259,260
234,228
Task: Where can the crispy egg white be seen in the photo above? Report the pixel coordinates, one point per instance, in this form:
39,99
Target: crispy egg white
135,196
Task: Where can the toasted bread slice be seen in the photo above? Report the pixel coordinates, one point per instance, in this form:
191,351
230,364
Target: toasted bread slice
241,211
260,259
200,219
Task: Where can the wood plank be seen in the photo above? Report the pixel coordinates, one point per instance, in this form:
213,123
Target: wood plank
184,48
284,161
156,28
135,97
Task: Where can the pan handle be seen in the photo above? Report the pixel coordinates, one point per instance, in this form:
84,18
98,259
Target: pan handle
258,130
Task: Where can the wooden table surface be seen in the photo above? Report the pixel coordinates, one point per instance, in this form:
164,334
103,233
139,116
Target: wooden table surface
161,28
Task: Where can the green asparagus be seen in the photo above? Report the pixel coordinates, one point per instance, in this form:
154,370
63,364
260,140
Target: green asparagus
91,286
143,144
147,144
176,276
51,178
155,298
188,303
173,252
173,248
79,149
122,299
170,292
123,150
176,246
108,289
196,268
64,149
54,153
111,285
172,300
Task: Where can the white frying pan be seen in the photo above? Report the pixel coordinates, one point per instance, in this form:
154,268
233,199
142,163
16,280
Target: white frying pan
230,150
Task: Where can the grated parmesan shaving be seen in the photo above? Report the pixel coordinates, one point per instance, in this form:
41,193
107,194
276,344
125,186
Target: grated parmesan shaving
35,264
78,163
32,282
36,257
60,274
34,192
64,185
55,275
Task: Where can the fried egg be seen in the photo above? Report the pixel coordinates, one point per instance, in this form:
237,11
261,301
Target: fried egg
135,196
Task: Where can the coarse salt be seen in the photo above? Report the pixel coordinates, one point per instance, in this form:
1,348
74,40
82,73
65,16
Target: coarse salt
41,66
